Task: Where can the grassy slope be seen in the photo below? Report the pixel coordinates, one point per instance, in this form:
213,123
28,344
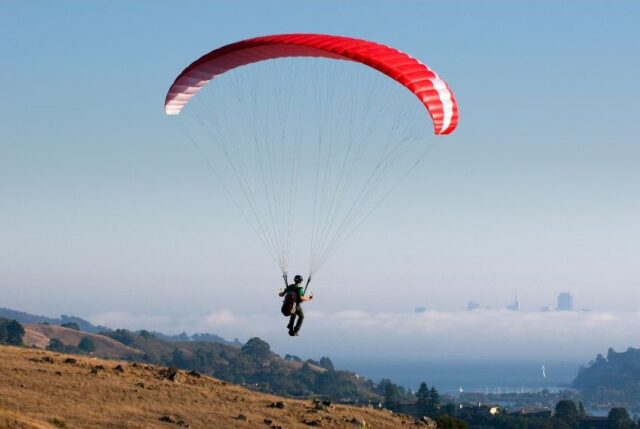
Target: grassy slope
39,335
35,391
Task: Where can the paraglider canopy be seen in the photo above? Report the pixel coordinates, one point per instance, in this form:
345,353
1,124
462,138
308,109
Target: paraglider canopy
432,91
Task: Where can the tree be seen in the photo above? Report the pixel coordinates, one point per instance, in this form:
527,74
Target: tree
618,418
434,400
382,386
581,411
449,408
178,360
423,398
326,363
71,325
306,376
567,413
146,334
391,396
3,330
87,345
257,349
124,336
15,333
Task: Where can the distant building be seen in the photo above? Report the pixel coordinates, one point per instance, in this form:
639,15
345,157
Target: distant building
420,309
473,306
565,302
516,304
545,309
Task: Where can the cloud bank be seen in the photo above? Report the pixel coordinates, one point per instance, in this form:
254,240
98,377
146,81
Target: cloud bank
432,335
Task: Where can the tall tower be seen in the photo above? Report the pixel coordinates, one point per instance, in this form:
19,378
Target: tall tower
516,303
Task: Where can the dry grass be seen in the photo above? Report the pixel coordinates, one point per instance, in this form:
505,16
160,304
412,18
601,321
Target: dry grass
39,390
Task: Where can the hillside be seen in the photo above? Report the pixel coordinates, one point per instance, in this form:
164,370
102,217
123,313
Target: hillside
616,371
46,390
253,364
614,379
39,336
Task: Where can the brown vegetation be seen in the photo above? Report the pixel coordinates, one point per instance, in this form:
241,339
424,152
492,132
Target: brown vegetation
41,389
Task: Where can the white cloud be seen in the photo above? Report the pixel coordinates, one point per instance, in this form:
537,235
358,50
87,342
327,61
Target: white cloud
217,319
487,333
127,320
470,335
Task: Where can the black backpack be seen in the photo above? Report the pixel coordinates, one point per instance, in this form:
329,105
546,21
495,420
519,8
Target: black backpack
290,304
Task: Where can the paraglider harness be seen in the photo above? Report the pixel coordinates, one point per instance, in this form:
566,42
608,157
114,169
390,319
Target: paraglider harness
291,298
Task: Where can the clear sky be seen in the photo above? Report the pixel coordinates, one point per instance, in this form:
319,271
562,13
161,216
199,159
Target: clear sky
108,213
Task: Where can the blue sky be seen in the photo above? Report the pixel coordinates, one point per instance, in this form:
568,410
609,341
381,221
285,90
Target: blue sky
106,209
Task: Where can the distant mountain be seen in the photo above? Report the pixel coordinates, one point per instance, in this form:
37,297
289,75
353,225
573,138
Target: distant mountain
23,317
85,326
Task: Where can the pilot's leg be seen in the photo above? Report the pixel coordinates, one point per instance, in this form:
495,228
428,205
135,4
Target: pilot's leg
300,314
292,320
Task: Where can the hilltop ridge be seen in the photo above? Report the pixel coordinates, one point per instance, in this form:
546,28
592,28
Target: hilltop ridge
46,390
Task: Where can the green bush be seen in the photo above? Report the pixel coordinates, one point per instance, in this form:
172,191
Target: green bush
87,345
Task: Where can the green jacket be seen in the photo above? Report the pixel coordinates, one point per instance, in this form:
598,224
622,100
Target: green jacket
297,289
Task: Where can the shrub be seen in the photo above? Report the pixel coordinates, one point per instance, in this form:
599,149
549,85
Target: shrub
87,345
56,345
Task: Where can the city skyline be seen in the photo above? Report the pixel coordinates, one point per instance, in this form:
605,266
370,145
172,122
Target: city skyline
564,303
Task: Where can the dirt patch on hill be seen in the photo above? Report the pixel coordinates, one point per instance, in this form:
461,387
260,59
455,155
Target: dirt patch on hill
41,389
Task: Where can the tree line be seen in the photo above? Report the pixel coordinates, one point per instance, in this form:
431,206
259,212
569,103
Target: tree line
11,332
